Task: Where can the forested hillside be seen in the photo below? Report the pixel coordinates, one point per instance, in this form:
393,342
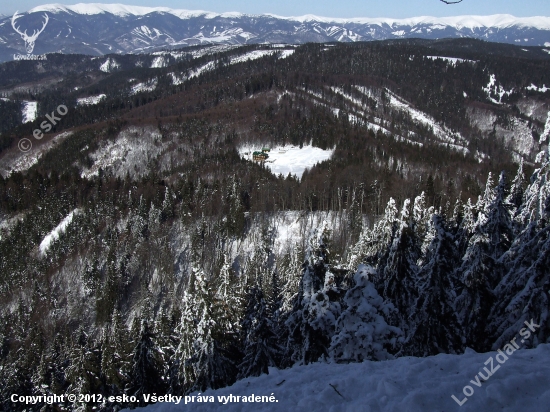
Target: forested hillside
142,249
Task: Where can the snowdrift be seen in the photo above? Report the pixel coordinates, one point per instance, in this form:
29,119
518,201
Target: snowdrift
406,384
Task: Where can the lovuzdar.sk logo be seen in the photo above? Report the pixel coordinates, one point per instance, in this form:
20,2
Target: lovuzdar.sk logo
29,39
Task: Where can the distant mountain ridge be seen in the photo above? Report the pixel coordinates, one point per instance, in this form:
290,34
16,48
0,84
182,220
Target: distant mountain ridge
98,29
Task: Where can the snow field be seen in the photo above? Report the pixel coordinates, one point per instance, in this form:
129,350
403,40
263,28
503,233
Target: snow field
452,60
56,232
289,159
148,86
90,100
405,384
109,65
29,112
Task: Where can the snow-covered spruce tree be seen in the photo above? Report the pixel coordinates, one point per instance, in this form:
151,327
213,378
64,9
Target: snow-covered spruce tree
362,331
400,271
480,270
487,198
259,341
311,323
522,294
291,268
83,372
166,342
421,216
146,369
517,189
115,355
185,333
372,244
230,296
49,377
434,327
213,352
167,210
235,221
354,212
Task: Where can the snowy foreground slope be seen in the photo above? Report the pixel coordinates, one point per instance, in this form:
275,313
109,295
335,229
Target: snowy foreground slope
406,384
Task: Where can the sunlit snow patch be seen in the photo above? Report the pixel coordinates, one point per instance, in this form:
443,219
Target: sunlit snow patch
159,62
54,234
290,159
542,89
109,65
452,60
492,88
90,100
148,86
29,111
253,55
286,53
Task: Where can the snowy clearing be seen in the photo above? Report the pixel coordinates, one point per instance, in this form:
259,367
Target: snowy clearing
54,234
18,161
440,131
109,65
204,68
131,151
290,159
148,86
159,62
452,60
90,100
286,53
29,111
406,384
253,55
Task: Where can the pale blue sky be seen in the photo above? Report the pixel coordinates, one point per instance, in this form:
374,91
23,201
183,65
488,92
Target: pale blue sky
328,8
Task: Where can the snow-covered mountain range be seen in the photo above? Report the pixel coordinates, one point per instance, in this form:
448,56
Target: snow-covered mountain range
98,29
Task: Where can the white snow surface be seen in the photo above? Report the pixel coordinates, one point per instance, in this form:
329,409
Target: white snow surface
17,161
289,159
90,100
132,150
158,62
452,60
444,134
109,65
466,21
147,86
542,89
29,111
253,55
286,53
491,87
521,383
54,234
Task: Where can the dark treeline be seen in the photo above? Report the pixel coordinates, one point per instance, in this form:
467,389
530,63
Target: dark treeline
433,86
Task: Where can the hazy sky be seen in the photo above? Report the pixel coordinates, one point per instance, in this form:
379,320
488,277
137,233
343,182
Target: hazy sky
328,8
